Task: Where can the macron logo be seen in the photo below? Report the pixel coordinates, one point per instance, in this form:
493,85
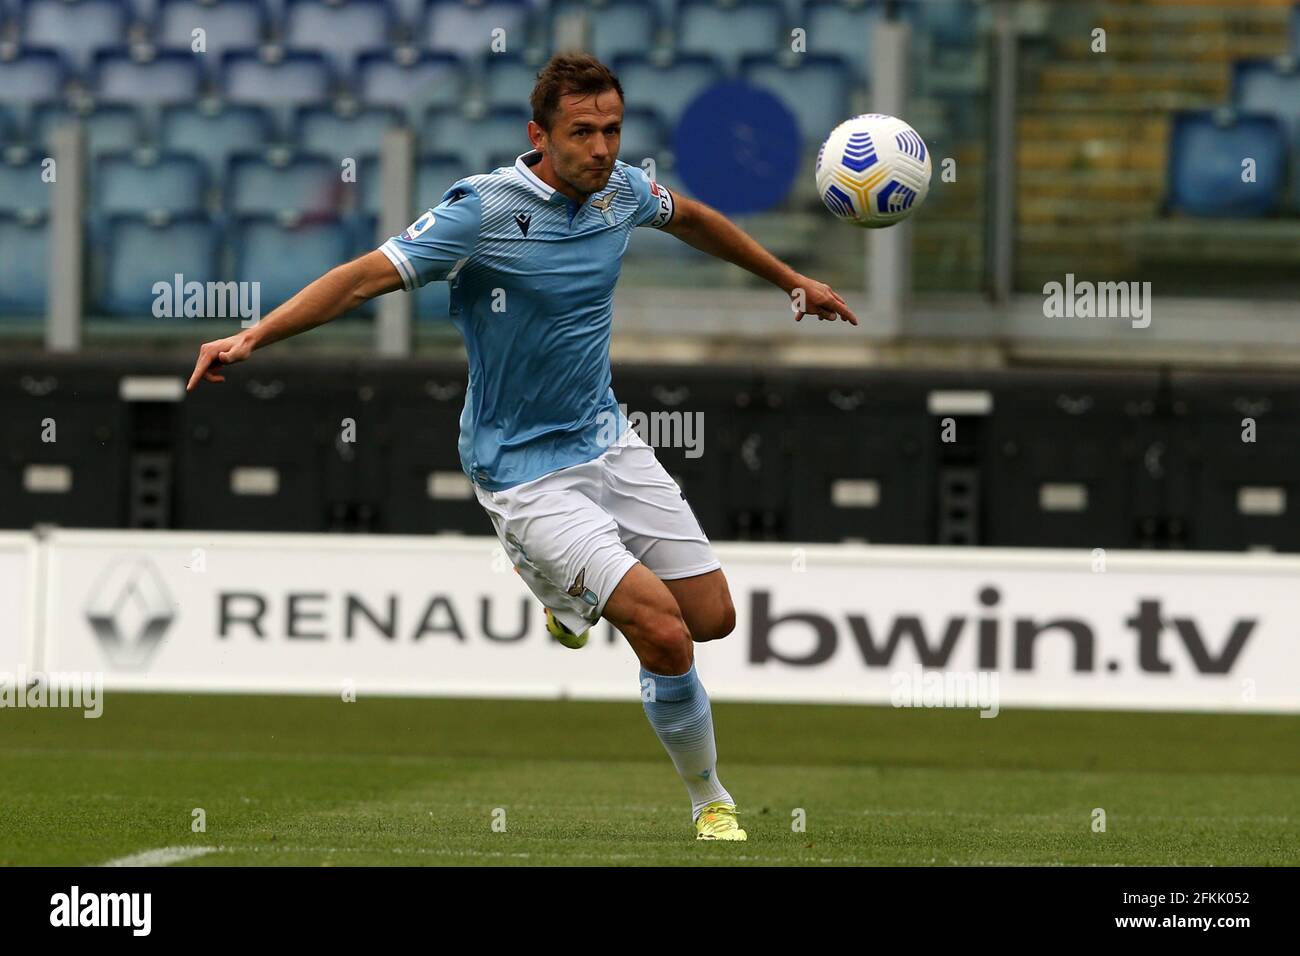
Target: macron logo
522,219
103,909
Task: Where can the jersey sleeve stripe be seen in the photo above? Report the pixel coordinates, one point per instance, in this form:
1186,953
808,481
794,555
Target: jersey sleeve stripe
398,259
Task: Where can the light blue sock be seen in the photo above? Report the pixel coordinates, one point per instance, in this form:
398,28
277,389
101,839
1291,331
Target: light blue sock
678,710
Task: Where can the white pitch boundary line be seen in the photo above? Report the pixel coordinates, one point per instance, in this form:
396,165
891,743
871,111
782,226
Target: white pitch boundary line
163,856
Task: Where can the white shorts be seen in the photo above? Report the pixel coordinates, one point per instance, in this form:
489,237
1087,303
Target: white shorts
574,533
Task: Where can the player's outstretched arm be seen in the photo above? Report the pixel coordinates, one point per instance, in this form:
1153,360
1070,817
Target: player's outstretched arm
710,231
342,288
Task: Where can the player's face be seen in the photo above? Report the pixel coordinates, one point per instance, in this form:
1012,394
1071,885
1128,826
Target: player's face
584,139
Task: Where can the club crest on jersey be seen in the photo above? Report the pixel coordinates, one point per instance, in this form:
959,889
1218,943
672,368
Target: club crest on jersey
522,219
605,206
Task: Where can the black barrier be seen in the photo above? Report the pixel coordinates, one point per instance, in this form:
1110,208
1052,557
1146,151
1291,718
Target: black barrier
1029,458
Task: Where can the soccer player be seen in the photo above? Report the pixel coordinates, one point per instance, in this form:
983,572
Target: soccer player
584,510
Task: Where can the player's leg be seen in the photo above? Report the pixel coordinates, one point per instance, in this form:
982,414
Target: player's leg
675,702
705,602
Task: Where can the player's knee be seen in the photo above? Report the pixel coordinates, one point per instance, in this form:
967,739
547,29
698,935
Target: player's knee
721,621
668,643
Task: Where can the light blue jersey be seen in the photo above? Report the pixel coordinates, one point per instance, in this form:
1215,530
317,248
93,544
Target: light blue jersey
532,278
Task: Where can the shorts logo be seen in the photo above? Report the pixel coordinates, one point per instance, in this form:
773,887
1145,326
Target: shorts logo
576,589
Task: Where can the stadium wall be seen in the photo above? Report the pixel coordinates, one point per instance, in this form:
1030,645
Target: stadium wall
445,616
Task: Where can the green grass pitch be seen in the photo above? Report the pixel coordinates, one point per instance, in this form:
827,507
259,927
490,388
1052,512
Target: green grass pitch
317,781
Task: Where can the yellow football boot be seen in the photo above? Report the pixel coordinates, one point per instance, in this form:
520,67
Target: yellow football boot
563,634
718,821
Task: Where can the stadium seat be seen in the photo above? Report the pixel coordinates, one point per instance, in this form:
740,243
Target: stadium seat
228,25
413,84
1206,152
22,190
814,87
350,132
146,182
666,86
146,76
729,32
285,258
456,26
643,136
23,265
476,140
273,77
213,131
143,251
508,80
623,26
1272,87
109,127
433,174
9,132
949,23
844,31
340,30
30,75
75,27
289,184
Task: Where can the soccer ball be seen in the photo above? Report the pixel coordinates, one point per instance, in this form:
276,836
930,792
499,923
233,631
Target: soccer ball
873,170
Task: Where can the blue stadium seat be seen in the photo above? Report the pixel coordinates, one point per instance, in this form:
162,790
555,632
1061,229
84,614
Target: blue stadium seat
141,252
1269,86
730,32
228,25
75,27
434,173
500,131
293,184
340,30
109,127
843,31
147,182
23,266
508,80
336,133
949,23
643,136
623,26
665,86
144,75
273,77
412,85
815,88
1206,151
28,76
456,26
285,258
22,190
213,131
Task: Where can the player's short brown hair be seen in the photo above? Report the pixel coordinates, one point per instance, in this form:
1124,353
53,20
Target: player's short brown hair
564,74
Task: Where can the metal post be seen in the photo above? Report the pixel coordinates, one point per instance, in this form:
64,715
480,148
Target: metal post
66,263
397,172
1002,168
889,251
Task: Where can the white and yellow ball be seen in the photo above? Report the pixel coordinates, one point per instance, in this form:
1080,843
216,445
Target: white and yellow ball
873,170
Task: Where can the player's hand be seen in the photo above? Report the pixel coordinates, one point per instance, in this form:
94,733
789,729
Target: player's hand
810,297
214,356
